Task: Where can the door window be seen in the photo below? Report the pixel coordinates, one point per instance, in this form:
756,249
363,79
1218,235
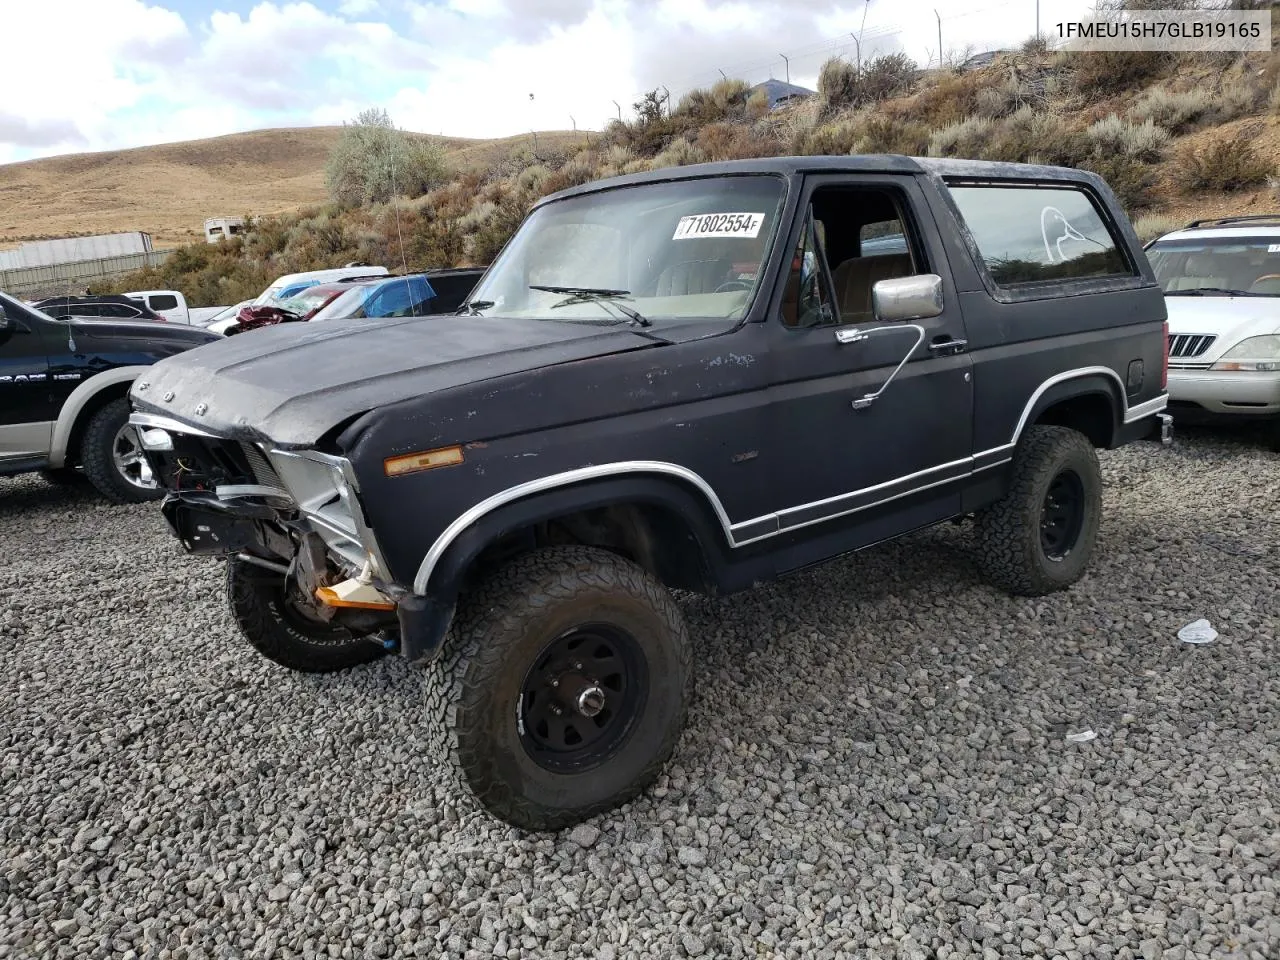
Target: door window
807,299
859,236
166,301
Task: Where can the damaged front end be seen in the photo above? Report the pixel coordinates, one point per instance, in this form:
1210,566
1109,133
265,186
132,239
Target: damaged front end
293,513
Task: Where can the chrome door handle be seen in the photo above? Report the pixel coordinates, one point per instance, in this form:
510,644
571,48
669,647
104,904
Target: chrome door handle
949,346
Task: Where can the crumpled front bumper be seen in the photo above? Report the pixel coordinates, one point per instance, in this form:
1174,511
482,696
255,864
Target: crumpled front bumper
207,526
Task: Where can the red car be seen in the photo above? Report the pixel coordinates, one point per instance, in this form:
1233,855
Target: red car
300,307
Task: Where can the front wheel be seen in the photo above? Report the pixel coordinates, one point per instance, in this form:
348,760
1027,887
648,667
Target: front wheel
111,454
276,625
1039,537
564,689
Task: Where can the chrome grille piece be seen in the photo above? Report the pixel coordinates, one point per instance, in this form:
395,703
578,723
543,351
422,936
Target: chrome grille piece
1189,344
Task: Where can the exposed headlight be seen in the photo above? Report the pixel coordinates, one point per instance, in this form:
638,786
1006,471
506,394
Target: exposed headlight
1255,354
155,439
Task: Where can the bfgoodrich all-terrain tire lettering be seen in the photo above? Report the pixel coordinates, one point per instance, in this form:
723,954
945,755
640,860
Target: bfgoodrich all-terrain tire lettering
103,467
282,634
585,622
1040,536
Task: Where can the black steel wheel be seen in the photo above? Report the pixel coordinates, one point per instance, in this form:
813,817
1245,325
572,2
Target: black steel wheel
1039,537
1062,516
563,688
581,698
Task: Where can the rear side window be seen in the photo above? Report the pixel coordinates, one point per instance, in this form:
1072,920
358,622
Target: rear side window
1037,234
165,301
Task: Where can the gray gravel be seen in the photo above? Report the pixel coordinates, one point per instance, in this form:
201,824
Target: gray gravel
877,764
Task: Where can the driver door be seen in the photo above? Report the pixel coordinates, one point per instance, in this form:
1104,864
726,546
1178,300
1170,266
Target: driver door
27,409
870,420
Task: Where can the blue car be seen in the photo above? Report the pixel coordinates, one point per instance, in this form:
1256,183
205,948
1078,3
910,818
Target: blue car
413,295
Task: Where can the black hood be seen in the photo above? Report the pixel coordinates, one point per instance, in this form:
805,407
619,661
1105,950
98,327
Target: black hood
293,383
151,331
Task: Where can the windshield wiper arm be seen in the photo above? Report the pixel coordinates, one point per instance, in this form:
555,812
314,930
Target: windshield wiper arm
600,295
473,307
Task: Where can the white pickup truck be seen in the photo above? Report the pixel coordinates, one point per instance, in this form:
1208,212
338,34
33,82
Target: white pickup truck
172,305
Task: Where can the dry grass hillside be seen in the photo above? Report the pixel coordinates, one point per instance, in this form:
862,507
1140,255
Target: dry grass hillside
1177,136
169,190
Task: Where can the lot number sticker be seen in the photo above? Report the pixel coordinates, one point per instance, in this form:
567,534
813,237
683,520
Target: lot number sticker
719,225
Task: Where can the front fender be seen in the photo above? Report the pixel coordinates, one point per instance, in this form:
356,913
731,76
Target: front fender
75,404
425,616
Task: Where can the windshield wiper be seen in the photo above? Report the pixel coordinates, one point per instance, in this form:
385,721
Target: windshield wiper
600,295
473,307
1211,292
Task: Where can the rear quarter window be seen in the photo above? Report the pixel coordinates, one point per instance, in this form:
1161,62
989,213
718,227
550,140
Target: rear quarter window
1029,235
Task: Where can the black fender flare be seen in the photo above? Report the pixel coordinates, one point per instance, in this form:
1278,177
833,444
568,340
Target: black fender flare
1098,382
425,615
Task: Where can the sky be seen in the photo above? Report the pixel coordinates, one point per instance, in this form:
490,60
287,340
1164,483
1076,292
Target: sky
106,74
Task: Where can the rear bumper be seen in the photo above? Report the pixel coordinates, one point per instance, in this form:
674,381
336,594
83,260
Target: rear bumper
1156,428
1227,392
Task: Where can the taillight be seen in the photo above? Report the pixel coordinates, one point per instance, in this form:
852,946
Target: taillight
1164,369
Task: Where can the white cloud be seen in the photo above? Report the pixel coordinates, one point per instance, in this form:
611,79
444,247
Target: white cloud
130,72
82,62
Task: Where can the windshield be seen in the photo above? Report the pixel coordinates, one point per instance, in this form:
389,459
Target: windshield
304,302
685,249
273,296
402,297
1217,266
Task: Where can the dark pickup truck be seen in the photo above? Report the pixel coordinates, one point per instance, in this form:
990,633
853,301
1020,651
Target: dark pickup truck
699,378
64,384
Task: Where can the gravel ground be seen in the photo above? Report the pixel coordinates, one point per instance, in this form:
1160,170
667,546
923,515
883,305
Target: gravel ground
877,764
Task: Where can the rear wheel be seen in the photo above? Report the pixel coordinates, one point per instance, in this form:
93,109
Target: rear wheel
275,622
564,689
1039,537
112,457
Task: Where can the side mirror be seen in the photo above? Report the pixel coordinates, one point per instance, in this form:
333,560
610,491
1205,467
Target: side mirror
907,298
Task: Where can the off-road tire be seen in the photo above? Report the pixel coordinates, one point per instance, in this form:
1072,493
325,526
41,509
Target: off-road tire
257,600
504,627
1010,553
62,476
98,462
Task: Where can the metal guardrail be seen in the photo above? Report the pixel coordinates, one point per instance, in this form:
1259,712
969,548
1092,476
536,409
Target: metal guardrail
71,278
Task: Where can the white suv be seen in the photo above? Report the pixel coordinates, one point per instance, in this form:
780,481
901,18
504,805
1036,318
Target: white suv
1221,281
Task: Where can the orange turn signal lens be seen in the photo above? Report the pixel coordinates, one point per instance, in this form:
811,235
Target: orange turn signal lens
353,599
417,462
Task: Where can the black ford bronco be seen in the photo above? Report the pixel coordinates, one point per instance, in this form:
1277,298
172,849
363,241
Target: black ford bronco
698,378
64,404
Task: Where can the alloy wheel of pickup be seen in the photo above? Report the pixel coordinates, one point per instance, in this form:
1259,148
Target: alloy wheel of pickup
112,456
